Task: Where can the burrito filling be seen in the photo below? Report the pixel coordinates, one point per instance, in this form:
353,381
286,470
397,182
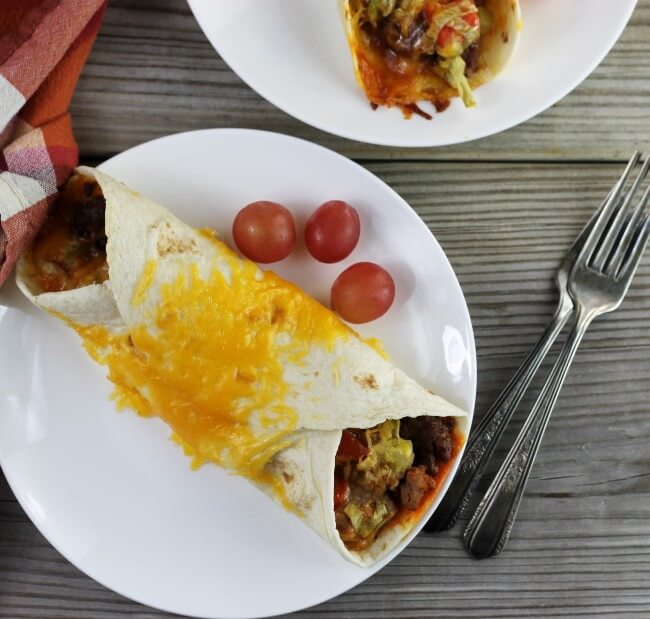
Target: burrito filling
69,252
418,49
387,472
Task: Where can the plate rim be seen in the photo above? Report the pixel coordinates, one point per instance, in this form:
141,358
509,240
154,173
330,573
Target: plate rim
369,571
544,104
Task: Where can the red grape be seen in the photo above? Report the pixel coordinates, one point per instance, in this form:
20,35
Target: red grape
332,231
363,292
264,232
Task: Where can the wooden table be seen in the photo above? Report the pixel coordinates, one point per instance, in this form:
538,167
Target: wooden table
504,209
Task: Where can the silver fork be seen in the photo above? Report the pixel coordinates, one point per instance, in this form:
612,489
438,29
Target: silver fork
484,439
597,284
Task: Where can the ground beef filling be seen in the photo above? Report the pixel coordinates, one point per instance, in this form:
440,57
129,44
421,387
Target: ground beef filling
386,471
432,440
403,42
69,252
472,57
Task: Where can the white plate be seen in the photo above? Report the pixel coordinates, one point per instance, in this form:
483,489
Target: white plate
295,54
112,493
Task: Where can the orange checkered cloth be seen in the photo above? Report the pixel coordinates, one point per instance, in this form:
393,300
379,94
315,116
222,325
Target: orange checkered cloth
43,47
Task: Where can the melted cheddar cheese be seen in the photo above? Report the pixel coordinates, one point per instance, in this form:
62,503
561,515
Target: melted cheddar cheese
208,360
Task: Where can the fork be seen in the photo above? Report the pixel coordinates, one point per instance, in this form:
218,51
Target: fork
483,440
597,283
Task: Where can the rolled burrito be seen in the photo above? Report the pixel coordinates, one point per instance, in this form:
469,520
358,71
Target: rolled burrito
248,371
407,51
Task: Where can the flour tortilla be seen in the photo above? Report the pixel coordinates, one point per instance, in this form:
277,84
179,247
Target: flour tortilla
140,231
90,305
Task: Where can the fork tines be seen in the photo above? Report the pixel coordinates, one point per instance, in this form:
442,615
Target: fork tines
622,230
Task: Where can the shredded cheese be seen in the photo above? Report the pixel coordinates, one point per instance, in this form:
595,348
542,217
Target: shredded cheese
208,360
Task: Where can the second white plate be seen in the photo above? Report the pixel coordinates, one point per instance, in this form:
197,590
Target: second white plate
295,54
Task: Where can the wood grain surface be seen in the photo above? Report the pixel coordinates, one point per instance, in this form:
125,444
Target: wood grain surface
152,72
505,210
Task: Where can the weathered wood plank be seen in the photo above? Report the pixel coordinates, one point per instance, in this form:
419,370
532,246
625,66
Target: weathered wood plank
5,491
152,72
581,546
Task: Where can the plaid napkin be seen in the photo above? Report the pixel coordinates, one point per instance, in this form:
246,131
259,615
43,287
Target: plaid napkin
43,47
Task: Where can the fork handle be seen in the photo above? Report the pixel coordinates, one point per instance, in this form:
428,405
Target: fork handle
485,437
490,526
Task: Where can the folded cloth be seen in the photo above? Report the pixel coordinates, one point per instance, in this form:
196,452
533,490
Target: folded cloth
43,47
